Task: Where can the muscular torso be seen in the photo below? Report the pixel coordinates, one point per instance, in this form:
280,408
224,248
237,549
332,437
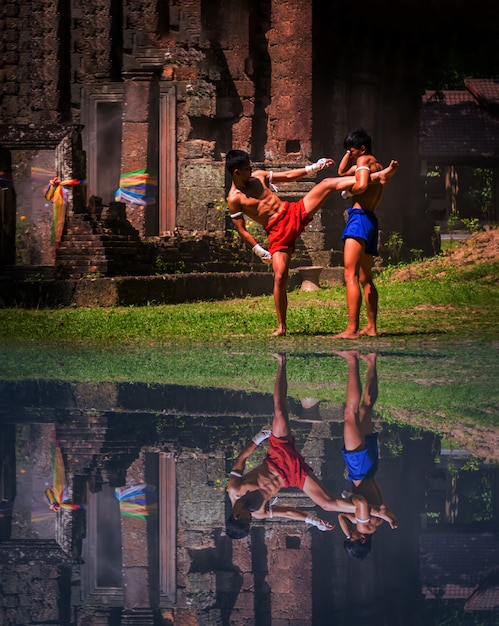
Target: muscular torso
256,200
261,477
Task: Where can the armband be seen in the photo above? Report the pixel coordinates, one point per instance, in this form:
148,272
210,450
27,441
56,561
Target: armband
363,167
235,473
234,215
363,521
274,188
274,501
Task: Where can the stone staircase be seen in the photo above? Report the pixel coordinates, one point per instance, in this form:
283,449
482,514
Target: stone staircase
108,246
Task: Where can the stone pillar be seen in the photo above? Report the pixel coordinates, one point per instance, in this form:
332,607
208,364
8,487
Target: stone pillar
139,149
236,46
7,211
70,163
290,109
136,560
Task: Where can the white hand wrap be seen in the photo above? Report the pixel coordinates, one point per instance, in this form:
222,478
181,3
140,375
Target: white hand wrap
318,165
346,193
262,253
315,521
261,436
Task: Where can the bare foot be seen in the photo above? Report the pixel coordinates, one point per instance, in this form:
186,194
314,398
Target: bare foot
346,334
369,332
347,354
388,173
370,358
280,332
279,356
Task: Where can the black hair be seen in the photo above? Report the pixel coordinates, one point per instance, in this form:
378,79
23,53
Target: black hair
236,528
356,549
358,138
235,159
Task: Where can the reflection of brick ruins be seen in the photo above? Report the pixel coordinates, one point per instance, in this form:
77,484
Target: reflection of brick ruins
185,570
170,87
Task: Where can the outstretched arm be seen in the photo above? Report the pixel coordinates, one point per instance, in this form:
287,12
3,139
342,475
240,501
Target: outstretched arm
290,513
240,462
238,467
248,239
301,172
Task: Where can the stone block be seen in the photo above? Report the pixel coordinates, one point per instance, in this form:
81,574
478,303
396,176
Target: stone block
199,106
135,587
227,107
136,98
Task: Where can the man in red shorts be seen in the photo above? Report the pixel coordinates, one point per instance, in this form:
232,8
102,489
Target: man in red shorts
254,194
253,495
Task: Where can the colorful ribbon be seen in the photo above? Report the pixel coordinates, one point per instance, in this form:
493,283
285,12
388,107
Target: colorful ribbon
139,501
137,187
56,495
57,194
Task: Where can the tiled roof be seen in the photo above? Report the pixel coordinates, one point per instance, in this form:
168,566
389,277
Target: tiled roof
461,565
461,127
486,596
486,91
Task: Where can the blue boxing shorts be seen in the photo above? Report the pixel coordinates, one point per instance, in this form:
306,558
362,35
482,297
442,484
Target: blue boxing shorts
363,225
362,463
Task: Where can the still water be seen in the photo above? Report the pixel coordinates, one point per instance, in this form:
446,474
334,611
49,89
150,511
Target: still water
115,467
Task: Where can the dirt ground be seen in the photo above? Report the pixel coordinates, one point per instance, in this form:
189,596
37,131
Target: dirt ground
481,247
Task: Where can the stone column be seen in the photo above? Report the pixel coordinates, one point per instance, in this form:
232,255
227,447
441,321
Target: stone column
290,109
137,562
7,211
139,143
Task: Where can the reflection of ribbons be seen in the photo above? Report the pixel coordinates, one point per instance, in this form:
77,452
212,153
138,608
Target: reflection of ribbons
56,501
6,507
138,501
134,188
56,495
6,182
57,193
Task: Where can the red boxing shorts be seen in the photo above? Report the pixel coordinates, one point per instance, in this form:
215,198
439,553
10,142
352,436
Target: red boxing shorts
287,461
289,224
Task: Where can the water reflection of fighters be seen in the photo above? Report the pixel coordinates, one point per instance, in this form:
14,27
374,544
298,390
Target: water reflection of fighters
253,494
360,452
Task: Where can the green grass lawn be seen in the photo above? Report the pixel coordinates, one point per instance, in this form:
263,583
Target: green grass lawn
458,304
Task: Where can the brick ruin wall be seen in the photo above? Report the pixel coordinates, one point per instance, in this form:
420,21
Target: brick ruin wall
243,75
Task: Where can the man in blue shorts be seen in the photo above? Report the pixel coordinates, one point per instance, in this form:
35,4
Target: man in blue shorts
360,235
360,453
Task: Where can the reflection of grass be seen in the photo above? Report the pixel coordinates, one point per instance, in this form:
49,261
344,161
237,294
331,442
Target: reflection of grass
439,383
